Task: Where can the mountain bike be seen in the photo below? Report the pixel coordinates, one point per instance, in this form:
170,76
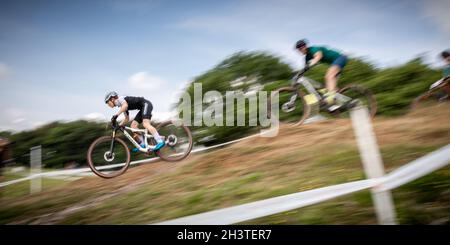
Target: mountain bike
298,101
109,156
439,92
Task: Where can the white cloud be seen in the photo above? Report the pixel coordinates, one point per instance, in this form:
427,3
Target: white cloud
145,81
13,113
437,11
4,71
14,119
37,124
94,116
66,106
163,115
18,120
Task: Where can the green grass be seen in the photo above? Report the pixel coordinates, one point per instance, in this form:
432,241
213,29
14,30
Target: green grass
17,203
341,165
23,188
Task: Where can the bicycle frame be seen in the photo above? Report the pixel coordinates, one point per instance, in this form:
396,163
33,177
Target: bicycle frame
312,87
131,139
146,137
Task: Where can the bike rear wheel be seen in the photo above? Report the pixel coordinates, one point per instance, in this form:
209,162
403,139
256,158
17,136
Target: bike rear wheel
295,115
178,141
364,97
108,164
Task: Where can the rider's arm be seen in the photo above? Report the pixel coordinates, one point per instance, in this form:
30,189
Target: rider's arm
126,120
317,57
123,109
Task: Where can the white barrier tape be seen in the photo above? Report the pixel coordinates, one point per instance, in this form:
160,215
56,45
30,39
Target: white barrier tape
236,214
82,170
223,144
71,172
417,168
270,206
16,181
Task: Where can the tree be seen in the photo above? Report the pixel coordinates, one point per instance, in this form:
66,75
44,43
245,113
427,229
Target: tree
244,72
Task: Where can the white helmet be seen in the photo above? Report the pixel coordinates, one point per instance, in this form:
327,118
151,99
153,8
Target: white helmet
110,95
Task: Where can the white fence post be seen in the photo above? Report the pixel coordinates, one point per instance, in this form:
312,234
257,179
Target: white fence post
373,164
35,168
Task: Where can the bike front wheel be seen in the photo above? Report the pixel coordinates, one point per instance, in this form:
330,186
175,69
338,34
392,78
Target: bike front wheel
178,140
105,163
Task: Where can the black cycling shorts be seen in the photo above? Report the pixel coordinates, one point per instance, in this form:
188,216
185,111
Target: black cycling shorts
145,112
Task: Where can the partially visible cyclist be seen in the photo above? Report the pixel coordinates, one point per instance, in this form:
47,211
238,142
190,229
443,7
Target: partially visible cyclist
126,103
336,60
445,92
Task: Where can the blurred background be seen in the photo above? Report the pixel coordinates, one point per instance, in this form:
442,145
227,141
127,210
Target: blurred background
58,59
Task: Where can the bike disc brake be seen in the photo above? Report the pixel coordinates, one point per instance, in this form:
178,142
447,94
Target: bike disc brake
287,107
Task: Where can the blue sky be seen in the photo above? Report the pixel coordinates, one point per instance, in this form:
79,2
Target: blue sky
59,58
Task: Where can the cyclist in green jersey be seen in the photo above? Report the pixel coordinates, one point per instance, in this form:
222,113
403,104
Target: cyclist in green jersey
445,93
336,60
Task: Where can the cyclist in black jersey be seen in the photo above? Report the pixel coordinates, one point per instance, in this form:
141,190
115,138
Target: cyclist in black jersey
145,107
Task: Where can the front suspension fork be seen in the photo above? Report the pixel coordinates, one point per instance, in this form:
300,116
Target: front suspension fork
111,148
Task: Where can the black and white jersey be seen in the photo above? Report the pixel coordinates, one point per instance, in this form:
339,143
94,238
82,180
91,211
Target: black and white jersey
136,103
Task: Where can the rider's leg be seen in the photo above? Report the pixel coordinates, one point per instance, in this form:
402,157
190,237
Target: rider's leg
331,78
154,132
139,138
146,123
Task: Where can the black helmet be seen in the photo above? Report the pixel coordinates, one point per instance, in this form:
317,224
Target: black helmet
445,54
110,95
301,43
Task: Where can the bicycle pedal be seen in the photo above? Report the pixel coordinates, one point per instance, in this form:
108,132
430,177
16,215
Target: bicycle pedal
323,104
334,108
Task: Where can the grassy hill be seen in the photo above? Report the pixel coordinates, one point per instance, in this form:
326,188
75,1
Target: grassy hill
298,159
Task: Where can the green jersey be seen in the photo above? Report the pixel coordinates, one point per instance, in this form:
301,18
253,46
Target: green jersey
447,71
329,55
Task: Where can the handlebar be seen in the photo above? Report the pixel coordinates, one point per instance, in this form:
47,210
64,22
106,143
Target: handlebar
303,71
298,75
115,125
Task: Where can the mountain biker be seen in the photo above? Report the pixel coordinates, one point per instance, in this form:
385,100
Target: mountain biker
337,61
126,103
